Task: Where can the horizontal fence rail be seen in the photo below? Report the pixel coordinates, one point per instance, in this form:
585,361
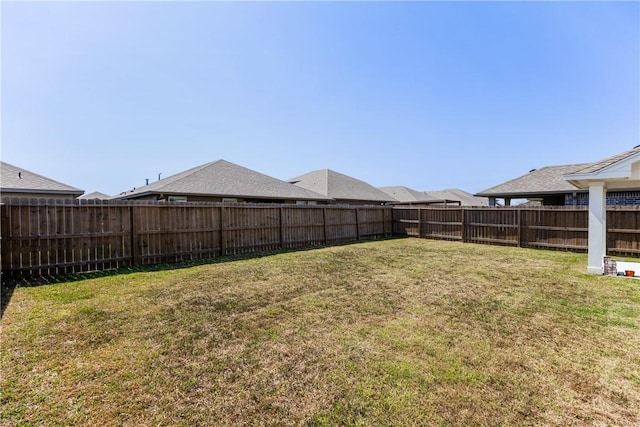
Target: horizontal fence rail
55,237
542,228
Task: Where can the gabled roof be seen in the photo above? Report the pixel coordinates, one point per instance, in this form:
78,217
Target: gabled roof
19,180
619,171
340,187
609,161
455,194
452,195
95,195
408,195
224,179
546,180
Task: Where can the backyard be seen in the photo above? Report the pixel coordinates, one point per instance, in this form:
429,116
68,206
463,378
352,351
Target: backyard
393,332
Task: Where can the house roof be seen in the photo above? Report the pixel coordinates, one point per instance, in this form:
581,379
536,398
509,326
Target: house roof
455,194
621,171
338,186
546,180
19,180
95,195
408,195
224,179
609,161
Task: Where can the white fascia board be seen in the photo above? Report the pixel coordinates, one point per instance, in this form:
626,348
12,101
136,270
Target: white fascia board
599,176
617,171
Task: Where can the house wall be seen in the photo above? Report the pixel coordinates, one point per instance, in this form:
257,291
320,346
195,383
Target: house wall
614,198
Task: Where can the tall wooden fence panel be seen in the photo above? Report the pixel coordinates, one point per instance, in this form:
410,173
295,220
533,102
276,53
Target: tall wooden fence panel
47,238
341,224
493,226
623,231
174,232
445,223
566,229
406,222
60,237
251,229
302,227
543,228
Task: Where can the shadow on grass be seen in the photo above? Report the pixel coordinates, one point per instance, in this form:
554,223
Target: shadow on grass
9,284
6,290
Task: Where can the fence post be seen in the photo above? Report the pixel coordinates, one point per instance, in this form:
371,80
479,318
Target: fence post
223,232
464,225
281,228
324,224
4,236
357,224
519,221
388,221
134,237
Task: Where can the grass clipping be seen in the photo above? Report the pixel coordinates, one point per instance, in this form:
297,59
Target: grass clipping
398,332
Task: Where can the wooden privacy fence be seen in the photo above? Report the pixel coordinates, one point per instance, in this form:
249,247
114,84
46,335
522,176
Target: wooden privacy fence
542,228
48,238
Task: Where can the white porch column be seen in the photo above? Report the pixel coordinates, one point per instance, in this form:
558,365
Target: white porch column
597,227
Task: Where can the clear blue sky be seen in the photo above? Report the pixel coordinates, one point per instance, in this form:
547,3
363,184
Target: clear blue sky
430,95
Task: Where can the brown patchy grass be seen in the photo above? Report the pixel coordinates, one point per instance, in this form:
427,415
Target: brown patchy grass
399,332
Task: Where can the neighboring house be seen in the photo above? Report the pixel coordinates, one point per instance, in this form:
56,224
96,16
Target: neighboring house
96,195
411,197
408,196
342,188
223,181
461,197
455,197
19,182
548,186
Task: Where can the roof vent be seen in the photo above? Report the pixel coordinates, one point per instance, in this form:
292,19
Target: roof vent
637,146
533,170
20,175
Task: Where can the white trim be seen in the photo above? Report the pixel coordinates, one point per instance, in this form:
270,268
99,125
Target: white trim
598,176
622,169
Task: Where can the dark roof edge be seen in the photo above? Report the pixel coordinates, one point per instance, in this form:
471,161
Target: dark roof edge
172,193
532,193
36,191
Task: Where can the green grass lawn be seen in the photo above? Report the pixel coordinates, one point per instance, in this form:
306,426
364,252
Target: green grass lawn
397,332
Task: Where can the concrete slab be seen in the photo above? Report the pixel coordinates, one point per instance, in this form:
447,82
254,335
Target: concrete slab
622,266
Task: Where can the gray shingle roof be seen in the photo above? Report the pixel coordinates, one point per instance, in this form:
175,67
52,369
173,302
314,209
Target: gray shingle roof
408,195
95,195
19,180
601,164
465,198
545,180
340,187
224,179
